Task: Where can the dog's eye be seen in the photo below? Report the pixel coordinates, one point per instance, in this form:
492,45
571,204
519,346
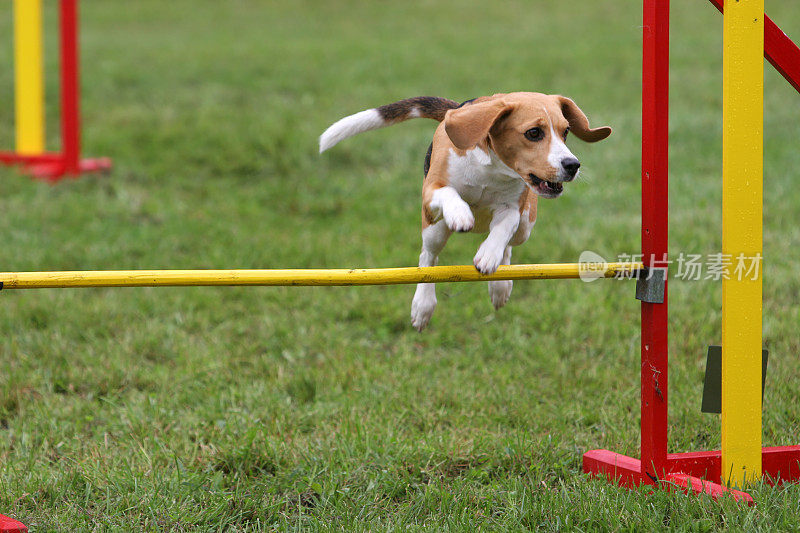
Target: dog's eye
534,134
566,132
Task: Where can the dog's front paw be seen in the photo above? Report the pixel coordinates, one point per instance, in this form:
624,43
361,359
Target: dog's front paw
488,258
422,307
458,216
499,292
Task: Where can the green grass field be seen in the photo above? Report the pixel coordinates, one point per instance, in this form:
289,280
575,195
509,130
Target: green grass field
321,408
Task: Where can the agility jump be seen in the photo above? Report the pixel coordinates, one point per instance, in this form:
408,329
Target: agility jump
742,460
29,97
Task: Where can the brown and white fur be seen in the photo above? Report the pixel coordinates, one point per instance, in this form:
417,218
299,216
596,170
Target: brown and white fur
490,160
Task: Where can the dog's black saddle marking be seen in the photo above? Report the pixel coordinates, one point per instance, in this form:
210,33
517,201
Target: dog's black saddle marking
427,165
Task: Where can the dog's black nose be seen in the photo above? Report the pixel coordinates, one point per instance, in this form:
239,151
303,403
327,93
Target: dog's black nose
571,166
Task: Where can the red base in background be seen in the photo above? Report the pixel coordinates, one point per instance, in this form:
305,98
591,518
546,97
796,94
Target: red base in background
9,525
53,167
690,472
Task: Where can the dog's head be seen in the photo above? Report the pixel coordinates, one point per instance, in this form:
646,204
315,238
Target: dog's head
528,132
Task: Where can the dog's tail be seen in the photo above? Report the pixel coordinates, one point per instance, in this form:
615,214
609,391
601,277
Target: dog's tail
385,115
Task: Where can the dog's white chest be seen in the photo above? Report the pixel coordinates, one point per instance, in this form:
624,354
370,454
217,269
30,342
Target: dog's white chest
482,180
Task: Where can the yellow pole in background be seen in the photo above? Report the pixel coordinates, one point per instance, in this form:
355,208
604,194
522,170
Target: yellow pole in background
28,77
742,197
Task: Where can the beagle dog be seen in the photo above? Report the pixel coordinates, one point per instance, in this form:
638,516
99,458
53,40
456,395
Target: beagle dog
490,160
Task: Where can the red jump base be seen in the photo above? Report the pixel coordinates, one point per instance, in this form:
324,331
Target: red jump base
52,166
9,525
691,471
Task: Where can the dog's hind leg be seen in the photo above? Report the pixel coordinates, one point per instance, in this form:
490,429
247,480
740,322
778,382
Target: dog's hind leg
434,237
500,291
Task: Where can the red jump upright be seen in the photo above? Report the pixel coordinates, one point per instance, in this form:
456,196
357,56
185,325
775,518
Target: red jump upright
655,209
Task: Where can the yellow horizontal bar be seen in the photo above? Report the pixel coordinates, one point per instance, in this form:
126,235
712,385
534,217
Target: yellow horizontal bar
318,277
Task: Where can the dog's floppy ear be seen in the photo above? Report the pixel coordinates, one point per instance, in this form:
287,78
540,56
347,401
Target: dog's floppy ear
467,126
579,124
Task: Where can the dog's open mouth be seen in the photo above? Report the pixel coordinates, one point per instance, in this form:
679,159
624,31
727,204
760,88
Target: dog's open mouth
545,188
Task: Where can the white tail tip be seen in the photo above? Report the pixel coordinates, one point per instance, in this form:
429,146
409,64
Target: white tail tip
348,126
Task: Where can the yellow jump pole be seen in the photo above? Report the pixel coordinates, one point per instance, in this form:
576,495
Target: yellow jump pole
742,176
318,277
28,77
